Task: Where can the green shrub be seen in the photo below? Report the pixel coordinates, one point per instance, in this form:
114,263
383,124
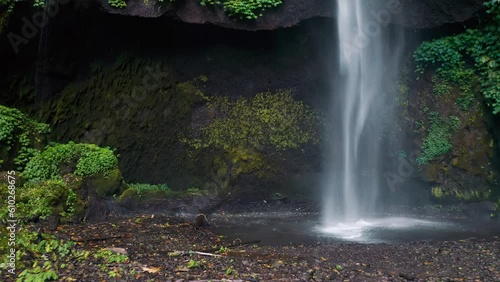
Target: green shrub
18,136
448,55
79,159
244,9
241,134
41,200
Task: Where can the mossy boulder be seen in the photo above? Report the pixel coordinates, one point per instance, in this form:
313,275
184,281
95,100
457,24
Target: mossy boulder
157,195
89,174
130,199
77,163
38,201
108,184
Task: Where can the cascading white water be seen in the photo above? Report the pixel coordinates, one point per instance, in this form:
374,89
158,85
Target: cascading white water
369,56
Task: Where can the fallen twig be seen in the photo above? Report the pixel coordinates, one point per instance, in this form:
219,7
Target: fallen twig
180,253
205,254
234,245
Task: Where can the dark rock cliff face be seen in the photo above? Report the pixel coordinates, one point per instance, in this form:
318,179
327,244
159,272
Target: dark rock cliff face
92,78
409,13
90,89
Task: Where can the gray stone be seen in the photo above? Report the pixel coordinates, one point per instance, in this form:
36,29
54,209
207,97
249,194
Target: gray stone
412,14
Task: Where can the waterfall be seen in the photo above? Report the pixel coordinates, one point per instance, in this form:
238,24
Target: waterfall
369,57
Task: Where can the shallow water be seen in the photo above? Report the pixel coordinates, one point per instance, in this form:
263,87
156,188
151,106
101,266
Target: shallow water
286,228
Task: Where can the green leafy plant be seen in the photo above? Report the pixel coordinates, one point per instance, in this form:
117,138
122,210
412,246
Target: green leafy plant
79,159
193,264
70,204
223,250
112,274
19,136
449,56
117,3
244,9
109,257
38,274
441,86
40,255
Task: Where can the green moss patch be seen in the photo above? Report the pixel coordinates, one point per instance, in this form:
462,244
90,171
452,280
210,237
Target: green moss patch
130,198
464,196
439,138
240,134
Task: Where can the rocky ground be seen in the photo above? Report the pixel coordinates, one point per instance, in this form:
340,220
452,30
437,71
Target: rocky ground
171,247
162,248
